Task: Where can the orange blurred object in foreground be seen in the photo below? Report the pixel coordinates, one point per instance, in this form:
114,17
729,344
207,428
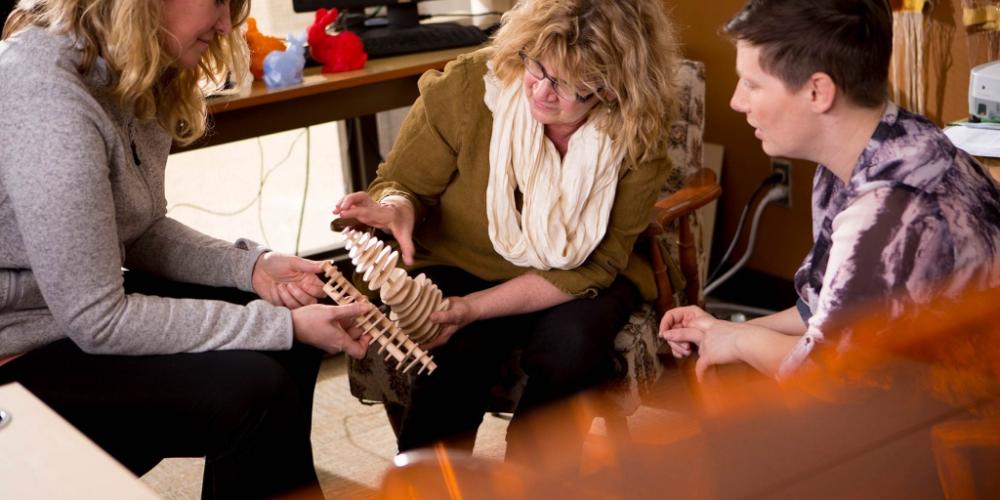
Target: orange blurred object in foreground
909,410
260,46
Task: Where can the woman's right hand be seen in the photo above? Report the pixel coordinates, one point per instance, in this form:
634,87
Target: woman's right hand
394,215
332,328
461,311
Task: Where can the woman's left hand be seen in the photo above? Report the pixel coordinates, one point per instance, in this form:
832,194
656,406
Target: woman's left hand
285,280
679,317
460,312
716,340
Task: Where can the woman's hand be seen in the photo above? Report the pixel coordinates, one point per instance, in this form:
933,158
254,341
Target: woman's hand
717,340
722,342
526,293
461,311
394,214
285,280
332,328
676,318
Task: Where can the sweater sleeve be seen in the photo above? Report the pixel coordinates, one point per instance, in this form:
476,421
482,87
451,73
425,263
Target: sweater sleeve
56,172
177,252
630,214
424,156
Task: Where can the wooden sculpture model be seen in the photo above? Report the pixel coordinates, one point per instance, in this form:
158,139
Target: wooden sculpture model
410,300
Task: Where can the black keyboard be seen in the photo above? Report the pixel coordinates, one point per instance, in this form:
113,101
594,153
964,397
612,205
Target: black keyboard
385,42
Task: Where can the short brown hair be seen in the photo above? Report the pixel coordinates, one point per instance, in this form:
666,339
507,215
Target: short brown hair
849,40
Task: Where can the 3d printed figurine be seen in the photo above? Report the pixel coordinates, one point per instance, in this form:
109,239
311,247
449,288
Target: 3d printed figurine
284,68
260,46
341,52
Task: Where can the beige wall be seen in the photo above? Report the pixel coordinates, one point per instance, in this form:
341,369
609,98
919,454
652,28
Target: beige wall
785,232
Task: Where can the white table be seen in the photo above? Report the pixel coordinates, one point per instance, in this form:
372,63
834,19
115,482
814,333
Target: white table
42,456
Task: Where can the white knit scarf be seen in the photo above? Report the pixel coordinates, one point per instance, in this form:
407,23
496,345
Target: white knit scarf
566,201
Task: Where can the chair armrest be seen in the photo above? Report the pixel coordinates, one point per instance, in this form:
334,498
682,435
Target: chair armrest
700,189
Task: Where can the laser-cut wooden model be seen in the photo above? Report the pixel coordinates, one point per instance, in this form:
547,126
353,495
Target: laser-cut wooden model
392,340
411,300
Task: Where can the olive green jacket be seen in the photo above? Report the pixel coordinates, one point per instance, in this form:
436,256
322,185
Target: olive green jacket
440,162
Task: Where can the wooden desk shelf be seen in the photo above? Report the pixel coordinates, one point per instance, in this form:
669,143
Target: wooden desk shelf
383,84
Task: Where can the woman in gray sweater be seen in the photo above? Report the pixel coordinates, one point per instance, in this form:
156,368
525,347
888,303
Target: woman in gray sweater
175,356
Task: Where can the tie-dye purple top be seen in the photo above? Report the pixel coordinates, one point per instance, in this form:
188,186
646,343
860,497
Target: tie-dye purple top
919,219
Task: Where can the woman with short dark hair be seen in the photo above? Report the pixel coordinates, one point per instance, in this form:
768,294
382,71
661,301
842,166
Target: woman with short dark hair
901,217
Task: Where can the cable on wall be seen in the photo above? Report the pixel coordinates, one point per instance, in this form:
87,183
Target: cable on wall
257,199
305,192
768,181
774,194
260,190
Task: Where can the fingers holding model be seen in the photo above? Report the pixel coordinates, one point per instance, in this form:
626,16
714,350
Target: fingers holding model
289,281
394,214
460,312
332,328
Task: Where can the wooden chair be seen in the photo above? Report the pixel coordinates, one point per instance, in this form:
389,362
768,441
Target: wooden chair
672,244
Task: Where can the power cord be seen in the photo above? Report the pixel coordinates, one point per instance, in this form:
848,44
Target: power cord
305,193
262,181
774,194
768,181
260,192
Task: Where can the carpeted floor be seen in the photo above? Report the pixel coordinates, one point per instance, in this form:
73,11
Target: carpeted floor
353,444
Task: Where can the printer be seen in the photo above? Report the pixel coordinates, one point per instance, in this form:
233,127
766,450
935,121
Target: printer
984,92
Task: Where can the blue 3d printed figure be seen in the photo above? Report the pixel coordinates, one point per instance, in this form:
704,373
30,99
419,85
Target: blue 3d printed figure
282,69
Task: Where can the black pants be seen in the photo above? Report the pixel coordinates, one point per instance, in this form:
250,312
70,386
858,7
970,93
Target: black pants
565,350
249,413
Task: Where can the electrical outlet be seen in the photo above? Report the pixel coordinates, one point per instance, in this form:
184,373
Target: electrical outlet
783,167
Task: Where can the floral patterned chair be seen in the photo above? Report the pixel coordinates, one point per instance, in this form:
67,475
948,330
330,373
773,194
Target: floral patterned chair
673,243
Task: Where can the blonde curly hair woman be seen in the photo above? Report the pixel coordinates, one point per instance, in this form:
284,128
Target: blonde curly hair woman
176,356
525,171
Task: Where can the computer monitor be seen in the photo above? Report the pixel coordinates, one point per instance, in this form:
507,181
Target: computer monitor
399,13
399,31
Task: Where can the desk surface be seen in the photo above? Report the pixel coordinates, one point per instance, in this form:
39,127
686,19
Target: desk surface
43,456
993,164
316,82
383,84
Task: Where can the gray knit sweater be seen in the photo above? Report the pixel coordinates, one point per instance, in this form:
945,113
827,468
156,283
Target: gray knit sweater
75,207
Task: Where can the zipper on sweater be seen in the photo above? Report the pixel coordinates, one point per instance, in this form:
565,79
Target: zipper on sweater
131,140
130,130
135,155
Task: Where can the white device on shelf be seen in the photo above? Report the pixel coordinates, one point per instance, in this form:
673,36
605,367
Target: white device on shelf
984,91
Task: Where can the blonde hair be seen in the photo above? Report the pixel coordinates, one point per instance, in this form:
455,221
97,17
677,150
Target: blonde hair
624,50
117,31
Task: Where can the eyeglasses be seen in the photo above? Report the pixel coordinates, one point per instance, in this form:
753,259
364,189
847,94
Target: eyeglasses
537,71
